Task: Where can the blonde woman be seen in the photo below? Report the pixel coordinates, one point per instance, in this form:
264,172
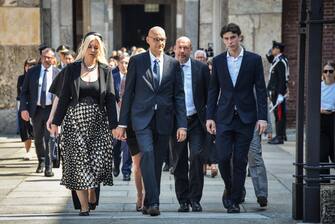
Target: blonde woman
87,112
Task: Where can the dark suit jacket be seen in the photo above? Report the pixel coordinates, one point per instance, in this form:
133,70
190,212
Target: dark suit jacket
277,82
200,81
69,94
140,97
29,93
250,78
117,81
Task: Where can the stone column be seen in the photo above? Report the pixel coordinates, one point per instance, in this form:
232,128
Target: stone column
55,23
220,18
46,22
66,23
191,18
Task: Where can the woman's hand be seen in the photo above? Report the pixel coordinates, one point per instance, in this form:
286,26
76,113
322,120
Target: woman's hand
54,130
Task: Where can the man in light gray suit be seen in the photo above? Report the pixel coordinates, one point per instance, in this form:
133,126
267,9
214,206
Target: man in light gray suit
153,95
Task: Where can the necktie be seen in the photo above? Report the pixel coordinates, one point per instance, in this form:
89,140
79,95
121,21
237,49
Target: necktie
156,74
44,88
122,86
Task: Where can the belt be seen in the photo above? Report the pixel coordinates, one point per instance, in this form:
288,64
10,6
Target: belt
46,106
191,117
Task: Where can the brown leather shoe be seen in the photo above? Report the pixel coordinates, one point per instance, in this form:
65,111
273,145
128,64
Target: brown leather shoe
154,210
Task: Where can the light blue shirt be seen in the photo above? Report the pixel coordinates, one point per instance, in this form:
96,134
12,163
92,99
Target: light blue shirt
48,99
327,96
234,65
189,102
160,62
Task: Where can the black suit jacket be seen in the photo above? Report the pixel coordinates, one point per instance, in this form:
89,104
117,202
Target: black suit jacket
250,78
69,94
140,97
200,81
277,83
29,93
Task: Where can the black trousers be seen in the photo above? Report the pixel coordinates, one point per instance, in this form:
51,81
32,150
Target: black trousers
153,146
326,140
232,144
42,135
280,119
188,174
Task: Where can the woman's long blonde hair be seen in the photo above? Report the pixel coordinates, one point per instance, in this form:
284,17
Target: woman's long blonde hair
101,55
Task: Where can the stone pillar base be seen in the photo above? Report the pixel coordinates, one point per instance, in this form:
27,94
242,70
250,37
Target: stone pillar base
327,203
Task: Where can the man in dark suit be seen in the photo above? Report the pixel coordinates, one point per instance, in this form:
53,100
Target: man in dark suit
36,102
189,180
119,76
236,103
277,88
153,94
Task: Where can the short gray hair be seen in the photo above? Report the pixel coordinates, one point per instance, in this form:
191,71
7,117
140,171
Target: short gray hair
201,52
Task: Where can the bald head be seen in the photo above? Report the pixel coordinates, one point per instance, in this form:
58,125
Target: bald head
183,49
156,39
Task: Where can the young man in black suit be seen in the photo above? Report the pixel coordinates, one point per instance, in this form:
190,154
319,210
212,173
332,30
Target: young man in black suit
189,178
153,94
236,103
36,102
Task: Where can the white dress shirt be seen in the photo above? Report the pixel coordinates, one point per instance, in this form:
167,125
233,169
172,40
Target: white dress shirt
189,102
234,65
160,62
48,99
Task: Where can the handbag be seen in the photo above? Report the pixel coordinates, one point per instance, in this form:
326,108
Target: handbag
54,145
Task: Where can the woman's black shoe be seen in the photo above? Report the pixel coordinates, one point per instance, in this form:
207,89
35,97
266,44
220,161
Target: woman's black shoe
92,206
138,208
87,213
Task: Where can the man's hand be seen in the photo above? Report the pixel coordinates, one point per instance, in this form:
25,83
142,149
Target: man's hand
181,134
119,133
25,115
261,126
53,130
280,99
211,128
48,124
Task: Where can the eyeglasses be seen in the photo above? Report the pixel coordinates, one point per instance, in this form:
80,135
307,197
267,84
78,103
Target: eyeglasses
330,71
156,39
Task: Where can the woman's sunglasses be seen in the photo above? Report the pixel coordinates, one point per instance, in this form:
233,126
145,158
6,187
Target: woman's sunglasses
330,71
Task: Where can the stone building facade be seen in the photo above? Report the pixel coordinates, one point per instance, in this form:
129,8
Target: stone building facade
24,24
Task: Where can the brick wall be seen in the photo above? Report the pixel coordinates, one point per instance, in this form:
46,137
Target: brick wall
290,36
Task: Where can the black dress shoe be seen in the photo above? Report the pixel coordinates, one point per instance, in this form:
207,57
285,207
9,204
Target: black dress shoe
262,201
87,213
234,208
226,199
126,177
154,210
48,173
276,141
145,210
116,171
40,168
196,207
184,207
92,206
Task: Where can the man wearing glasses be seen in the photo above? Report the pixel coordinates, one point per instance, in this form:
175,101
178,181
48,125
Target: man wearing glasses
153,95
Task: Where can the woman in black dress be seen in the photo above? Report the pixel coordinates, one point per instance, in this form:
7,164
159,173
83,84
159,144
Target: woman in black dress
87,112
25,128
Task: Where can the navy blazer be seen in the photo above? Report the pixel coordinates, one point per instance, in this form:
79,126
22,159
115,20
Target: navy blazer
29,93
140,97
250,80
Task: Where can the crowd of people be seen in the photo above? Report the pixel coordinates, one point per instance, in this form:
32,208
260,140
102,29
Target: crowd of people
187,111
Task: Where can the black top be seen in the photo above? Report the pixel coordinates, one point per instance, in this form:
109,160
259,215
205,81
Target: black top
89,89
57,84
70,92
19,86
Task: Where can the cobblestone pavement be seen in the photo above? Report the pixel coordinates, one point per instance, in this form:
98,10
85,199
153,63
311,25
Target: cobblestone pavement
27,197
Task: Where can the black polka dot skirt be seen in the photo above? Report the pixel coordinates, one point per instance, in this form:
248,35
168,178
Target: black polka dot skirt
86,146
